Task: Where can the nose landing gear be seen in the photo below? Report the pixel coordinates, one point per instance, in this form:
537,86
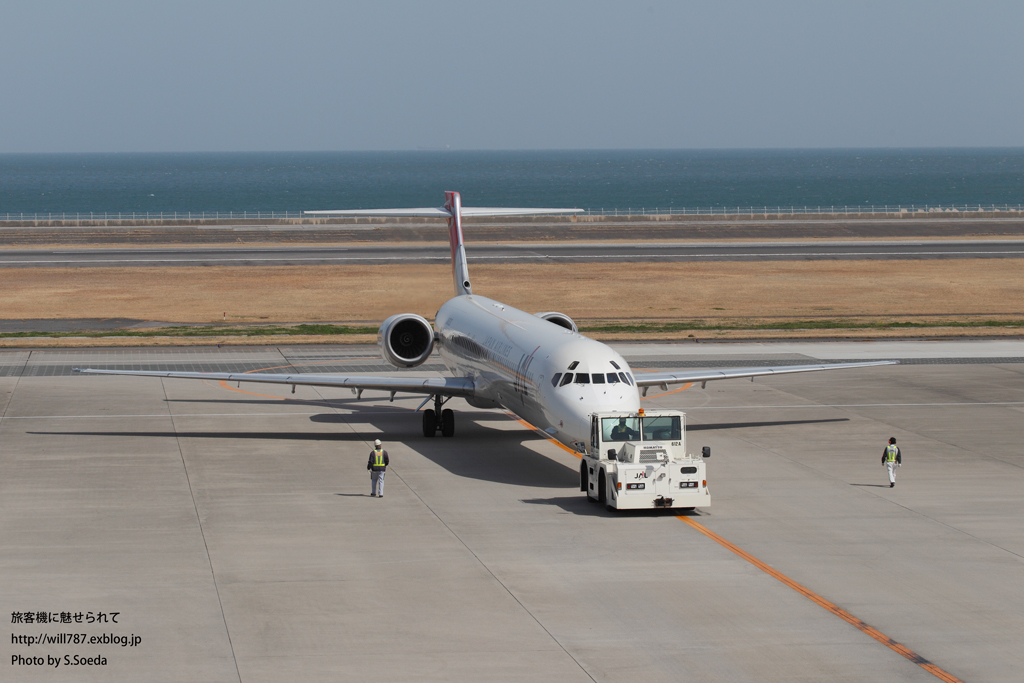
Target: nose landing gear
435,419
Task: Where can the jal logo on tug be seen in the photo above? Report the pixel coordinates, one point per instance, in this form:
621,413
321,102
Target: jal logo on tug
640,475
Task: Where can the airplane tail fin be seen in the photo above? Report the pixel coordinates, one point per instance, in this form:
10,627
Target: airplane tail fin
460,269
453,211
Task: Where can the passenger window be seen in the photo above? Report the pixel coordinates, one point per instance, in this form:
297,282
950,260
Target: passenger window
554,380
582,378
598,378
613,378
622,376
566,379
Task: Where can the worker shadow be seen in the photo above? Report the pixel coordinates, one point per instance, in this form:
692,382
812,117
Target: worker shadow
768,423
873,486
586,507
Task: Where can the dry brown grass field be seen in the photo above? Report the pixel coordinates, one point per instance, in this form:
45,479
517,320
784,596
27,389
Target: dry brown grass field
732,292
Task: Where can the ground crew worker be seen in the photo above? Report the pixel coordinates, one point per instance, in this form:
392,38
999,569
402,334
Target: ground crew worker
377,464
892,459
622,432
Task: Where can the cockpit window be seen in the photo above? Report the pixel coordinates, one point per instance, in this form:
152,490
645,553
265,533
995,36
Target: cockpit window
566,379
615,365
554,380
623,377
597,378
630,377
572,365
613,378
582,378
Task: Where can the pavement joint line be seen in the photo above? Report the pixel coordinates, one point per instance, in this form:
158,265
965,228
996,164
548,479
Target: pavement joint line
900,505
424,503
10,398
893,645
202,532
491,572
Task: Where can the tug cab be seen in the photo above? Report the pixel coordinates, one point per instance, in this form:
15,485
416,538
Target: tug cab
639,461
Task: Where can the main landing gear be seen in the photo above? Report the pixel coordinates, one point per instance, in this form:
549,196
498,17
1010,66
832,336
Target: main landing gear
435,419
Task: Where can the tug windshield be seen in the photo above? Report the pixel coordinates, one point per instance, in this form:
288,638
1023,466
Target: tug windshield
668,428
619,428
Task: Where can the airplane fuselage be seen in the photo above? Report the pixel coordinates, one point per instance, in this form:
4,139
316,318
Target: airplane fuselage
518,361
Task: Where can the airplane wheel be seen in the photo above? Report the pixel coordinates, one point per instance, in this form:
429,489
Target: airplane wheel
429,422
447,422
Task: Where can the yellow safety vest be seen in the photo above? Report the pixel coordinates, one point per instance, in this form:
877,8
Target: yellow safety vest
890,453
378,458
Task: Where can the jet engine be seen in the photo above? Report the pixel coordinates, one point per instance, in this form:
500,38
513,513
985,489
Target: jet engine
560,319
405,340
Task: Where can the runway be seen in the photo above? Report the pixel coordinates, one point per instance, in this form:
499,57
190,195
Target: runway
231,529
573,252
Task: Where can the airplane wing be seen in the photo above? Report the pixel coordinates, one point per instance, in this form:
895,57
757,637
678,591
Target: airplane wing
445,386
442,212
644,380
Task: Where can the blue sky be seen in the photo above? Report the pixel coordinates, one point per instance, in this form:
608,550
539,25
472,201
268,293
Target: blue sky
225,75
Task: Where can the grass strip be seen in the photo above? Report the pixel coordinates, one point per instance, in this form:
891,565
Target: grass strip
207,331
795,325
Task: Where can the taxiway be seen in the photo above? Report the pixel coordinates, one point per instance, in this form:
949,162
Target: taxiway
232,529
573,252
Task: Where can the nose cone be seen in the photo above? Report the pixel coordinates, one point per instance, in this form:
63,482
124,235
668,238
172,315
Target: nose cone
575,403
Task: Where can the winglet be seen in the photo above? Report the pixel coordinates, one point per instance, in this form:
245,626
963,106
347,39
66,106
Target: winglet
460,269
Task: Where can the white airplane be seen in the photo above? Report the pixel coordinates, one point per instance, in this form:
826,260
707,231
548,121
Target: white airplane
537,366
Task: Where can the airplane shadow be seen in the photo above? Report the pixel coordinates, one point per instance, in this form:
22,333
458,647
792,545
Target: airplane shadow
486,454
773,423
477,451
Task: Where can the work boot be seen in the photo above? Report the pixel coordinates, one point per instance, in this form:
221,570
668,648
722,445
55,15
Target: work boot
891,484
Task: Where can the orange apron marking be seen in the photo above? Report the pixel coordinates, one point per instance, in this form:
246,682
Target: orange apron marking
545,435
669,393
822,602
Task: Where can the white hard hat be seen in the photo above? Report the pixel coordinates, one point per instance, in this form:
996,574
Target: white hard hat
376,442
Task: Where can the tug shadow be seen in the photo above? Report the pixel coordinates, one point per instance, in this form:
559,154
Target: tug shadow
585,507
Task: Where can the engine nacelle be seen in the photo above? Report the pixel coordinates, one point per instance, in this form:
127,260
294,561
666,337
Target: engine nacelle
560,319
405,340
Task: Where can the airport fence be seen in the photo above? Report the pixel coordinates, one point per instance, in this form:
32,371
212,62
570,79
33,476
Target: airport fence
887,209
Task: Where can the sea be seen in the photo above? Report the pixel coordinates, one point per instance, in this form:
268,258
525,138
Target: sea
620,180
